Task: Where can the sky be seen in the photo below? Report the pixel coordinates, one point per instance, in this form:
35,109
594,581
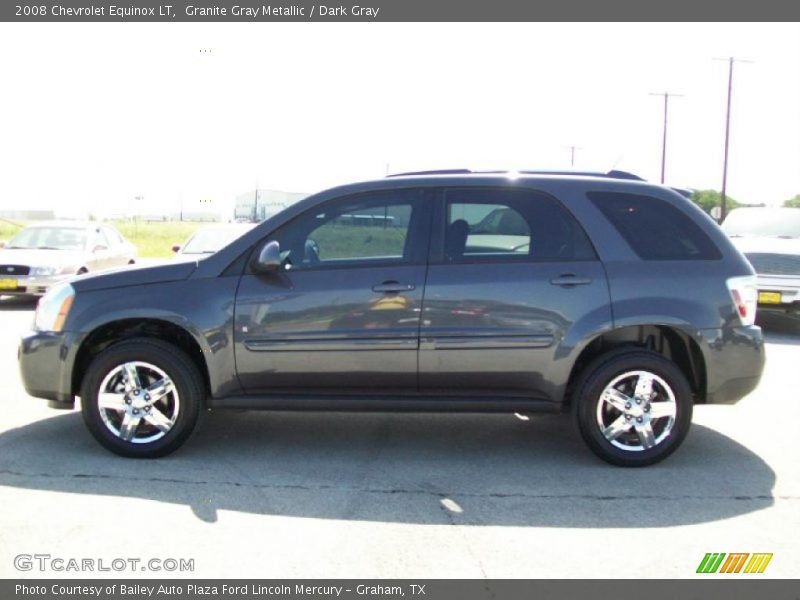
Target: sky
95,115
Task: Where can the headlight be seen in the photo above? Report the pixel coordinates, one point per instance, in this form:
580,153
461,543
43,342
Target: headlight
53,308
47,271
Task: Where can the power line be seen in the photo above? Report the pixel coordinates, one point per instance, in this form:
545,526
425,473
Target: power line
667,96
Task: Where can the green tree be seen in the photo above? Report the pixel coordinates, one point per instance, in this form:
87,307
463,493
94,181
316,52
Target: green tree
793,202
708,199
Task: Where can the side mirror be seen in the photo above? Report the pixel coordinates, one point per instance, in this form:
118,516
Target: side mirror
3,243
269,259
176,248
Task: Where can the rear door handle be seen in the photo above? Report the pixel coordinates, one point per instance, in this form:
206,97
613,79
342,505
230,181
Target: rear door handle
569,280
393,287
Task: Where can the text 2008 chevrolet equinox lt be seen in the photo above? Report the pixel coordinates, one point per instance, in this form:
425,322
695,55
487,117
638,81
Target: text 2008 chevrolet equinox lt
443,291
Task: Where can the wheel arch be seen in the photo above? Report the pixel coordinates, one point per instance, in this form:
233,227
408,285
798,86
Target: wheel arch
113,332
669,341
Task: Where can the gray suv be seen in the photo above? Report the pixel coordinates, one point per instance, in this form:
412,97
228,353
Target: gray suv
599,294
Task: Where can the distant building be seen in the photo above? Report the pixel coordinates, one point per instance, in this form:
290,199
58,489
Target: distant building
27,215
257,205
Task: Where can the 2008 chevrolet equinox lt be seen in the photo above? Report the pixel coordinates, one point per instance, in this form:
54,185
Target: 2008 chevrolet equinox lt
441,291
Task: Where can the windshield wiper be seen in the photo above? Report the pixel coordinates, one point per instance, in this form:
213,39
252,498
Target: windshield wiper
47,248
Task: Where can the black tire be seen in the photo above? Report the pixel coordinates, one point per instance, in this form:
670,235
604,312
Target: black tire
587,396
188,384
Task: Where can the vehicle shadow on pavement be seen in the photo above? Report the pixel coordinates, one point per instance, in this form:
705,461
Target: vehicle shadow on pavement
18,303
422,469
780,329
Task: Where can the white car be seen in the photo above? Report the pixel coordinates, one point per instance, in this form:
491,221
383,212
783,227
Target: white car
208,240
770,239
47,253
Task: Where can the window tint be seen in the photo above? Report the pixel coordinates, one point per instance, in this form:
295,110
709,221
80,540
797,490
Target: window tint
655,229
485,224
366,228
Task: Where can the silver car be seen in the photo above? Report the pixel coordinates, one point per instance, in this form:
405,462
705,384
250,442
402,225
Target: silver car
770,239
44,254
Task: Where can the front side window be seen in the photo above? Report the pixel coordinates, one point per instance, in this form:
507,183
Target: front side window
113,236
364,229
99,240
655,229
487,224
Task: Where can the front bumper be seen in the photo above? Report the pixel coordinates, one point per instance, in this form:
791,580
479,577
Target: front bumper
27,285
45,361
735,358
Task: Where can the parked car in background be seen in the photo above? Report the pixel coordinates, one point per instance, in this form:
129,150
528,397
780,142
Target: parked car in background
41,255
209,239
628,307
770,239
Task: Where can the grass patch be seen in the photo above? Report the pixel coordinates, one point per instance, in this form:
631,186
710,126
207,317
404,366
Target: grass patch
155,239
9,229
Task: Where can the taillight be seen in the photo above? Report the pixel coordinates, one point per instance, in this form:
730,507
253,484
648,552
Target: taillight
744,293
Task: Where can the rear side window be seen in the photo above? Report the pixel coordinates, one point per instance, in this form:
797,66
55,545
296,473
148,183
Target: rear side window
510,225
655,229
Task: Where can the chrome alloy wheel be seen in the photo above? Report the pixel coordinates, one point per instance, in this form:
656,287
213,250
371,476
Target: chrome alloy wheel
138,402
636,411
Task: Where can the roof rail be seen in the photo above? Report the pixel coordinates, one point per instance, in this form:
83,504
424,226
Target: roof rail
435,172
613,174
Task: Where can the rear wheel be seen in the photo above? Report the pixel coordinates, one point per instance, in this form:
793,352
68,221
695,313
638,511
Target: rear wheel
633,407
142,398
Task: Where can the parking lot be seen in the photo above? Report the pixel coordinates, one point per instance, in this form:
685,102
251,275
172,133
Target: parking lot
414,496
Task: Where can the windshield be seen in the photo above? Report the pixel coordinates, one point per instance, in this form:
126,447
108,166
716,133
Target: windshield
763,222
208,241
49,238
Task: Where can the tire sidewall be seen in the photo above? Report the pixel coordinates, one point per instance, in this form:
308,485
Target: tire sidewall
600,374
177,367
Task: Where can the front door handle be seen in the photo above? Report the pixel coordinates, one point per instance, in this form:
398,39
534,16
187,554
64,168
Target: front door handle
569,280
393,287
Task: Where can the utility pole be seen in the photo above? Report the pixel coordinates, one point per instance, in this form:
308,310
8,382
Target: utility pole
255,205
138,198
724,198
666,96
572,154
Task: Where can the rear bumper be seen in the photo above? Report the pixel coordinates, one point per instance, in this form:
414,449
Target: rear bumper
734,362
45,361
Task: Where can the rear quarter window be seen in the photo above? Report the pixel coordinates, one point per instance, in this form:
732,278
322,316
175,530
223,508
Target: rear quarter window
655,229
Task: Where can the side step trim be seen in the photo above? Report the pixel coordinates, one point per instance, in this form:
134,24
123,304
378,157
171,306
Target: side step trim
385,404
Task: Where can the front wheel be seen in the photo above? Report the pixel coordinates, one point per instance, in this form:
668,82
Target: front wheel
141,398
633,407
